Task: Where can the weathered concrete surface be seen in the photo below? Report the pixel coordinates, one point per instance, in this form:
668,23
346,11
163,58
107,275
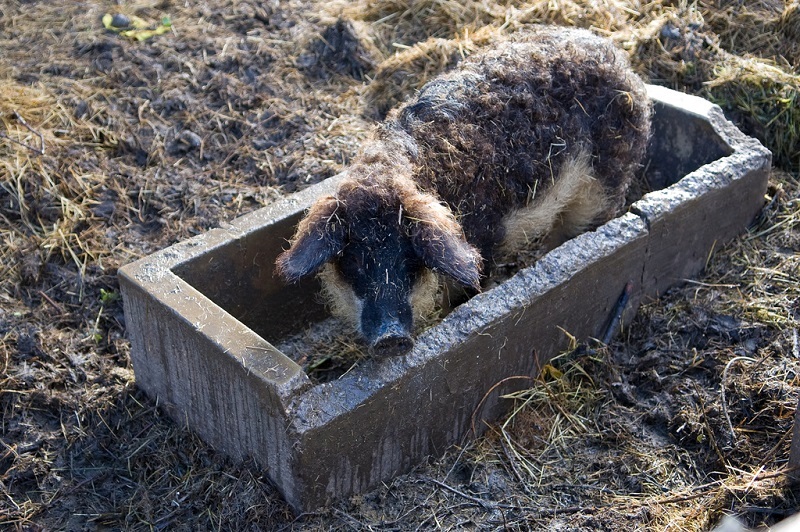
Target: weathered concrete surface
709,205
201,316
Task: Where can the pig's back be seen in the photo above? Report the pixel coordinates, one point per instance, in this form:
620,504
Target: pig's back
500,127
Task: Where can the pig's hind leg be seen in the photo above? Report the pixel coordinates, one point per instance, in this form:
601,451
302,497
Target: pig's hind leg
575,202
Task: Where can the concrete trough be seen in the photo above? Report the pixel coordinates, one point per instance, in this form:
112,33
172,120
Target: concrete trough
203,317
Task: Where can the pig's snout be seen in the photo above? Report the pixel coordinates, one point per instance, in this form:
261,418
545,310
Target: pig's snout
391,346
392,340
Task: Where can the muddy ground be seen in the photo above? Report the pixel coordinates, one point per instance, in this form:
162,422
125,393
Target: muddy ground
112,147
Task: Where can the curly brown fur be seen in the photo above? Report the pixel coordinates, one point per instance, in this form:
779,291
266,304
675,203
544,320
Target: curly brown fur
501,126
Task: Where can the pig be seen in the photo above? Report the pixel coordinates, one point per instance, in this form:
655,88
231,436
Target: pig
534,139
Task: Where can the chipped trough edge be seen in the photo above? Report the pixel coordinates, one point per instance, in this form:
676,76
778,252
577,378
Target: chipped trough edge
312,439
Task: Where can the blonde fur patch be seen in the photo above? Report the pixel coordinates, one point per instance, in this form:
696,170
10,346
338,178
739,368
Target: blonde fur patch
574,201
339,297
424,297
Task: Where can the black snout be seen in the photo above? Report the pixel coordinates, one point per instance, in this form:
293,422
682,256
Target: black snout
391,346
393,340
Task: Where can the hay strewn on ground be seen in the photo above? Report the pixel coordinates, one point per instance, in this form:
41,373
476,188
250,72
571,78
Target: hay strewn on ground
112,148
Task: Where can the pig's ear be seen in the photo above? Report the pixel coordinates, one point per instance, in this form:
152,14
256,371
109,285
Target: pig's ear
319,238
439,240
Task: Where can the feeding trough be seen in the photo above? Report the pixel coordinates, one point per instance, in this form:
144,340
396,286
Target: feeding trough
204,316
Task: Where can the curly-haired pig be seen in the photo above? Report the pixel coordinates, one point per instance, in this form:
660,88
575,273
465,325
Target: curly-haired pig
538,135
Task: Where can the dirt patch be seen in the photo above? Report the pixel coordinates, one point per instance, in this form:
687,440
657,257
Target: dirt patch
326,350
111,148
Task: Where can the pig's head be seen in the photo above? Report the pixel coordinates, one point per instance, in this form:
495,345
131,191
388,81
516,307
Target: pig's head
377,242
